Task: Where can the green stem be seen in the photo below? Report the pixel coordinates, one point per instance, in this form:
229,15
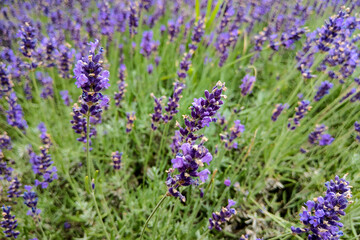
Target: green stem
98,212
152,214
148,155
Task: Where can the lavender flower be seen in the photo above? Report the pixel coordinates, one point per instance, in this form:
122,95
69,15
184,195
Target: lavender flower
45,137
247,84
13,191
278,110
79,125
148,45
130,121
318,136
121,85
198,33
357,129
47,82
28,40
323,90
9,223
5,170
351,92
64,58
92,79
116,158
41,165
301,111
192,155
65,97
15,115
27,90
184,65
235,132
157,116
133,19
223,216
6,85
5,141
227,182
31,200
173,102
150,68
321,217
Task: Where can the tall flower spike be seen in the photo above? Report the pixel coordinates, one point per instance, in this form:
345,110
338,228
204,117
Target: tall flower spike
121,85
223,216
157,116
31,201
235,132
13,191
5,141
116,158
192,155
45,137
92,79
300,112
9,223
323,90
15,115
173,102
41,165
66,97
130,121
321,217
148,45
6,85
247,84
357,129
279,108
28,40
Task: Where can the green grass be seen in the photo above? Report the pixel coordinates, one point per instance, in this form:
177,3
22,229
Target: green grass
274,178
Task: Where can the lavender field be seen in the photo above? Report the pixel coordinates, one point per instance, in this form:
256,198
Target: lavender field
180,119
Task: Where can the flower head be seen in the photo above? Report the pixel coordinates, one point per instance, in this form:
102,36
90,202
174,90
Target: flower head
223,216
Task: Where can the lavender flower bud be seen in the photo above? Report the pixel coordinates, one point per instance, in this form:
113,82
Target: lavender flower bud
15,115
28,40
31,201
130,121
223,216
5,141
278,110
9,223
323,90
301,111
321,217
247,85
116,158
65,97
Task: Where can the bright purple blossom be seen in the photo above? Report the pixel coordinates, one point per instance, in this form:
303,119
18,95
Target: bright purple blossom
323,90
321,217
15,115
279,108
9,223
223,216
116,158
247,84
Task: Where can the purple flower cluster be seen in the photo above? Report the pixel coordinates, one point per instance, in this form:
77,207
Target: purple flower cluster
319,137
321,217
130,117
92,79
41,165
47,83
192,155
247,84
28,40
5,141
5,170
173,102
357,129
9,223
79,125
118,96
223,216
116,158
323,90
66,97
148,45
13,191
6,85
15,115
44,136
235,132
64,57
300,112
31,200
279,108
